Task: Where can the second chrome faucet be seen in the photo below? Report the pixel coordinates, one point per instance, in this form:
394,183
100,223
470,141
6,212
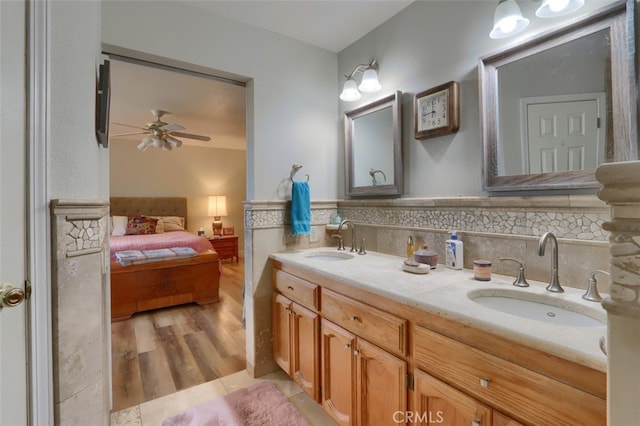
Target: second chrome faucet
554,284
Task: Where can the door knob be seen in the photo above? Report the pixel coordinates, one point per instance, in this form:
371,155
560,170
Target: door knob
10,296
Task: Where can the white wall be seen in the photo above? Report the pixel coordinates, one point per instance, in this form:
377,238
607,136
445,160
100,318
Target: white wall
78,167
191,171
425,45
292,92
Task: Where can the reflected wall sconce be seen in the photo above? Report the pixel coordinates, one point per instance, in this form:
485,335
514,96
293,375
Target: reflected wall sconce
369,84
217,208
508,19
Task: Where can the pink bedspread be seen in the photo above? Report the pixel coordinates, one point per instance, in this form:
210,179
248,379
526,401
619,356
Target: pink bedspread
158,241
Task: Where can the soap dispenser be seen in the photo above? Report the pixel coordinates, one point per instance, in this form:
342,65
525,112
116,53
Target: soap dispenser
454,257
410,247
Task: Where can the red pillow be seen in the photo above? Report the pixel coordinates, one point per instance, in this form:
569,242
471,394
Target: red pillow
141,225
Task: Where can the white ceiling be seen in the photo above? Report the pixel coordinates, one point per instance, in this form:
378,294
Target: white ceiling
212,108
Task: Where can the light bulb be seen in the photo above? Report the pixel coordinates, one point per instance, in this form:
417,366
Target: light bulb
508,20
553,8
350,91
558,5
370,81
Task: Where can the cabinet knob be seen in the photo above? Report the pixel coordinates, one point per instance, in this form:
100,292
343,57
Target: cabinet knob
353,318
485,383
356,352
475,422
290,287
347,345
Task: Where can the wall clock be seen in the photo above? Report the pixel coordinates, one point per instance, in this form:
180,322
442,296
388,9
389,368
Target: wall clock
436,111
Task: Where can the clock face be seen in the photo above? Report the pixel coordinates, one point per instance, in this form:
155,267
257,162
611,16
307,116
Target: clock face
434,111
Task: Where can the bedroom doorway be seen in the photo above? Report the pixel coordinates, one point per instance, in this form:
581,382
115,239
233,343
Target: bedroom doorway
159,352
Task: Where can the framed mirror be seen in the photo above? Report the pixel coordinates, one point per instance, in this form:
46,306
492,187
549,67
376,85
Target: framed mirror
373,148
555,107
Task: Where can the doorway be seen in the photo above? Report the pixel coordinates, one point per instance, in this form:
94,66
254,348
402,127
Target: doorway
163,351
563,133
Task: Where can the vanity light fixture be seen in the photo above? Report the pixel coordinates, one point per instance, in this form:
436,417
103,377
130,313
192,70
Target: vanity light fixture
553,8
507,20
369,84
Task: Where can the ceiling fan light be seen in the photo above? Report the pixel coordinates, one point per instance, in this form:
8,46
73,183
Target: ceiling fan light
167,146
142,146
553,8
370,83
507,20
157,142
176,143
350,91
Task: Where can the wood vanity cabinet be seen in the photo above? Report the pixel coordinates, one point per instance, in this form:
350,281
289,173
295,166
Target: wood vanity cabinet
435,402
378,378
353,358
362,384
526,395
296,336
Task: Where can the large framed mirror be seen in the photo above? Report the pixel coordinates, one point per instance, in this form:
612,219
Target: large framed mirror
373,148
555,107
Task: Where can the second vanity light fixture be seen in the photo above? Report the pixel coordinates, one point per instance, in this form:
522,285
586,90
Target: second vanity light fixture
369,83
508,19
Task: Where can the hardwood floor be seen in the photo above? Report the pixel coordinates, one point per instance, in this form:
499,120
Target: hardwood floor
160,352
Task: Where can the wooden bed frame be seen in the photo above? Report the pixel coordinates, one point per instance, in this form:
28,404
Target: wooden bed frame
137,288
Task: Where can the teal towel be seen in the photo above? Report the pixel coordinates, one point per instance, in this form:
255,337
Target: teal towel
300,208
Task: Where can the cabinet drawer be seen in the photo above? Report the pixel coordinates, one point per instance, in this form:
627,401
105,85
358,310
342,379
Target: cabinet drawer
522,393
380,327
297,289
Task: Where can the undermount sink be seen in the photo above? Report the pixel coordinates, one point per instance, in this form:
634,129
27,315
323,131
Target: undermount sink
539,310
329,255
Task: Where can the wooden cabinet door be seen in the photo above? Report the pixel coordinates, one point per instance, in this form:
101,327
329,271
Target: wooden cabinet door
436,402
381,386
305,351
500,419
338,373
281,323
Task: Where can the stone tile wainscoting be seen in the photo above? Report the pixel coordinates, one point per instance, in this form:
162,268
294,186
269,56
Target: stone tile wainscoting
490,227
79,291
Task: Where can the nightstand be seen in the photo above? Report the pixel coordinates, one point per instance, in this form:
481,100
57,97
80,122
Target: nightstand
226,246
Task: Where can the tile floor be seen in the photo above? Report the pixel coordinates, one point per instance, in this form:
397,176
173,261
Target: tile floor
152,413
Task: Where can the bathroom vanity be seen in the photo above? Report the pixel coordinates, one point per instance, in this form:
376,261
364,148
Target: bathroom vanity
375,345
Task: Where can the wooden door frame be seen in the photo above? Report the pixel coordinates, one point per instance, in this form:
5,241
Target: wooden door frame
39,340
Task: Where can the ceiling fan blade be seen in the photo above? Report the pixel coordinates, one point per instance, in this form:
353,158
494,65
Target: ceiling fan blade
129,134
172,127
191,136
129,125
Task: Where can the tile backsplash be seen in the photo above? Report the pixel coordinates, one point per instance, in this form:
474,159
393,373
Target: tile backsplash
490,227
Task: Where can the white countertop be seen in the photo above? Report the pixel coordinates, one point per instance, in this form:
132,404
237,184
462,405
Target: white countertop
446,292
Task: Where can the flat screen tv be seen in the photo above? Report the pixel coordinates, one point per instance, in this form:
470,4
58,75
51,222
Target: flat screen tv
103,96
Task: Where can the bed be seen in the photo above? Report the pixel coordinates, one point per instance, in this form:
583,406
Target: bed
157,284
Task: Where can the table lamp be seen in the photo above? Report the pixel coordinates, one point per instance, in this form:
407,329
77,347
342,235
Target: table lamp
217,208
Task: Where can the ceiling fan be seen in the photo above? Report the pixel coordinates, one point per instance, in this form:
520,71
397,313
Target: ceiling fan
161,134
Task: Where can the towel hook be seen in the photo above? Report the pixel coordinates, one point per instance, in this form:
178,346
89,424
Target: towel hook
294,170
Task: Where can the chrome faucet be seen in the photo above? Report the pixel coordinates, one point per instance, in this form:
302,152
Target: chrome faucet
554,284
353,233
592,288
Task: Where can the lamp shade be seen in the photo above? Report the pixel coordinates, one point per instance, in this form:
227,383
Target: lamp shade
217,205
370,83
553,8
507,20
350,91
